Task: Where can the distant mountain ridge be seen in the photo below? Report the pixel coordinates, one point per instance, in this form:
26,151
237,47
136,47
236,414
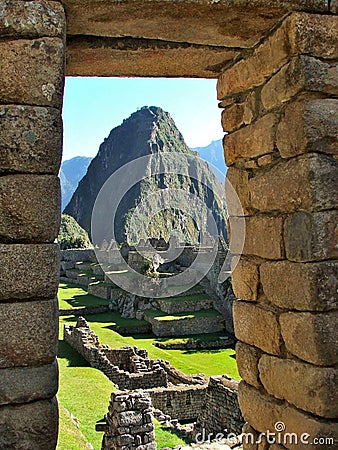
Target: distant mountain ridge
71,173
74,169
148,132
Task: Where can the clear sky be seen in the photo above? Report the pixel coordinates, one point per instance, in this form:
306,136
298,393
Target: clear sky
93,106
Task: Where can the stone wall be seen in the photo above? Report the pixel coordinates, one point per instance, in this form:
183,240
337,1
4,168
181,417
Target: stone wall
127,368
179,402
220,412
281,114
129,422
32,48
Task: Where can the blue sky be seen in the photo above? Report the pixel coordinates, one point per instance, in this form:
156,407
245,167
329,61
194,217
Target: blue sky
93,106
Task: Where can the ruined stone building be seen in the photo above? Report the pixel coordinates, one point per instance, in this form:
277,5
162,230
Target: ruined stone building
276,65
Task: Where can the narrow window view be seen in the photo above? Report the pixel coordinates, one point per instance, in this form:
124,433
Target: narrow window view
144,307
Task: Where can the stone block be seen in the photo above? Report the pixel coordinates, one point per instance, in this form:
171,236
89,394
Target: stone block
311,236
263,236
264,412
30,208
258,326
32,19
239,114
299,33
28,271
32,72
307,182
29,426
237,182
31,333
247,358
308,126
30,139
311,337
27,384
251,141
311,286
303,73
308,387
245,280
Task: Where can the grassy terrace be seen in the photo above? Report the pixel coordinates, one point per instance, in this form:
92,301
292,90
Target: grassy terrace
85,391
159,315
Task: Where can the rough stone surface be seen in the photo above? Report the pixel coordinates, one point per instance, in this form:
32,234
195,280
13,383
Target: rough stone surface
240,114
31,333
27,384
263,237
253,140
308,387
308,126
245,280
30,139
199,22
263,412
311,337
247,358
303,73
257,326
32,19
310,237
93,56
237,180
30,208
40,262
29,426
41,87
305,287
304,183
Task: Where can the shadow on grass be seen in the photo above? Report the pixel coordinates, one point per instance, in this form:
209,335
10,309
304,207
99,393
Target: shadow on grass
65,351
77,296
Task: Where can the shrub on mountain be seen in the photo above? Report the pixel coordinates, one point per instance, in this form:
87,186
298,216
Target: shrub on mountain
71,235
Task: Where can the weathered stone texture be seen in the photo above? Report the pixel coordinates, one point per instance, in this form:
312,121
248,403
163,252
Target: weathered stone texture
308,126
240,113
29,426
305,183
306,287
238,205
32,71
311,337
307,387
298,34
263,237
31,19
263,412
28,271
27,384
257,326
303,73
30,208
253,140
247,358
245,280
30,139
311,236
31,333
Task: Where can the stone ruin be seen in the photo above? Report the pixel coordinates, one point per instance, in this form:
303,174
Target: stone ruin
277,87
212,404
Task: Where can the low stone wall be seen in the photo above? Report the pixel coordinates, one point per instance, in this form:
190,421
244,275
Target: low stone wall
220,412
84,311
80,254
186,327
147,373
129,422
196,344
179,402
177,377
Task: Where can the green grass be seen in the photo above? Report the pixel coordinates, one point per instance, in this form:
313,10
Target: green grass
166,438
159,315
73,296
70,437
